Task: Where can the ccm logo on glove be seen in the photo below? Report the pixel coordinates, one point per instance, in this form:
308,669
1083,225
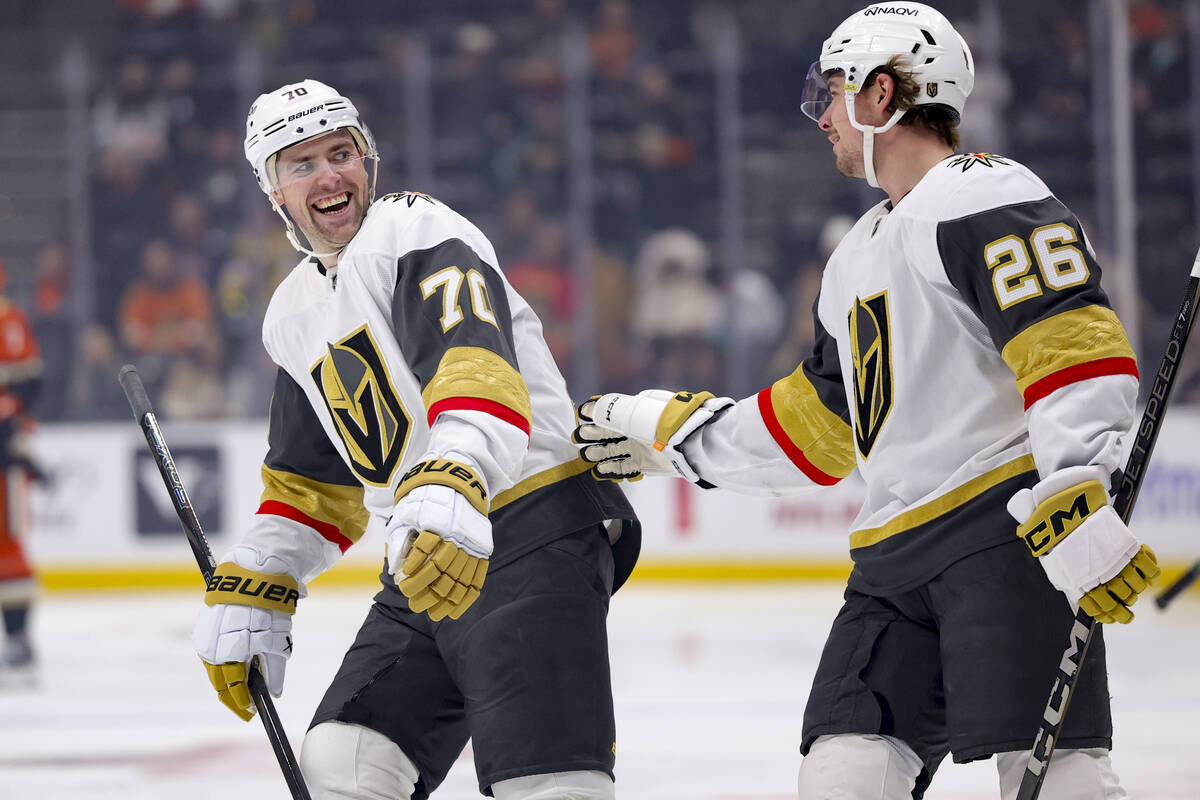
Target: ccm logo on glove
446,473
233,584
1061,514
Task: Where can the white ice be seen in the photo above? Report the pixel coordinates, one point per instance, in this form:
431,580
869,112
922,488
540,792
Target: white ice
710,686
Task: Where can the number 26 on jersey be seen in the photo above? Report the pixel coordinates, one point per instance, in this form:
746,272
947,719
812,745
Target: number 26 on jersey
1060,264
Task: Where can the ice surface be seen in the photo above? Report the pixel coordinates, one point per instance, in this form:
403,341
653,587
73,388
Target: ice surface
710,685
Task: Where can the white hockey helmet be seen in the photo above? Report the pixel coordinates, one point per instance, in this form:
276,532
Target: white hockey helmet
926,44
292,114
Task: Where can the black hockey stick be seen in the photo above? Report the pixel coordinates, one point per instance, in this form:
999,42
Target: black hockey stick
1131,483
135,393
1178,586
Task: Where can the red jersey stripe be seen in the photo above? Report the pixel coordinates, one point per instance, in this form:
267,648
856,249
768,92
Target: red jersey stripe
497,410
1079,372
326,529
781,438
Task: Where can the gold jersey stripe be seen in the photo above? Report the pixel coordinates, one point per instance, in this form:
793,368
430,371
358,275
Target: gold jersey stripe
951,500
332,504
1065,340
824,438
481,373
540,479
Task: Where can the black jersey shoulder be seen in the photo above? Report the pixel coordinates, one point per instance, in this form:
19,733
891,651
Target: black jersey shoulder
1005,262
448,296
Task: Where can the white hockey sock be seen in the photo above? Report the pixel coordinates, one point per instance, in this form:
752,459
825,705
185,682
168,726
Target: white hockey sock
1084,774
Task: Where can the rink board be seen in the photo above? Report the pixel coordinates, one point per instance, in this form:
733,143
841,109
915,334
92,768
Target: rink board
107,519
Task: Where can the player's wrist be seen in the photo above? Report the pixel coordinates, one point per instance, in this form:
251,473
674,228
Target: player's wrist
457,475
237,585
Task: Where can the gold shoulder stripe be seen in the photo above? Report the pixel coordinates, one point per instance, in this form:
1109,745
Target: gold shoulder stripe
338,506
824,438
941,505
1065,340
479,373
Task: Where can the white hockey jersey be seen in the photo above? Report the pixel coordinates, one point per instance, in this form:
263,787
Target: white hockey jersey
964,346
415,346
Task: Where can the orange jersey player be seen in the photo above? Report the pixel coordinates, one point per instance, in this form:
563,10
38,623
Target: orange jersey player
20,376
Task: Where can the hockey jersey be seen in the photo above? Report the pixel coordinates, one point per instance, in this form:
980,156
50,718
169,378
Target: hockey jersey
416,345
20,361
964,347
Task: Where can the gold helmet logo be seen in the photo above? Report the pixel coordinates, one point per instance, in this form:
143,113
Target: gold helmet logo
931,89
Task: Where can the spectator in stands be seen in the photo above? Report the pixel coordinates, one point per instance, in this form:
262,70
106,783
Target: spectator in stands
543,277
53,328
94,391
126,208
665,139
131,117
197,246
678,312
166,315
534,47
799,335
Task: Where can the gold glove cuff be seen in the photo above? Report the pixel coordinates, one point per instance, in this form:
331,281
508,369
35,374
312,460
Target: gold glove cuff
444,472
678,409
233,584
1060,514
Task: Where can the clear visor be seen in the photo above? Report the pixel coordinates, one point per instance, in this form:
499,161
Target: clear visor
816,97
345,160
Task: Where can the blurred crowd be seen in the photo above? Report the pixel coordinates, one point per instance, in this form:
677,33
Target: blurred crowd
185,251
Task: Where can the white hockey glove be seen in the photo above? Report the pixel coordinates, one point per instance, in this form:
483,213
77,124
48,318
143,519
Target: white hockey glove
615,456
439,537
1087,551
660,419
247,614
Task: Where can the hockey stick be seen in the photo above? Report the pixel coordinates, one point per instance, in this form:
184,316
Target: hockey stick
1131,483
1178,586
135,393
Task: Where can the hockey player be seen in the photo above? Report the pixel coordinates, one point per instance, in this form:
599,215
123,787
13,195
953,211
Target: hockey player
20,377
414,389
966,362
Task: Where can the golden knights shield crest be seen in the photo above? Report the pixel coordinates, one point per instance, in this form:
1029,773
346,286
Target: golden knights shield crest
871,352
365,406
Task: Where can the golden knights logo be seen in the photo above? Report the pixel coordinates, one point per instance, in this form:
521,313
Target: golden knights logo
871,351
968,160
408,197
364,405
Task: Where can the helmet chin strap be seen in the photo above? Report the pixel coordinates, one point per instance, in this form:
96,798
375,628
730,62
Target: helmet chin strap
294,236
868,132
298,240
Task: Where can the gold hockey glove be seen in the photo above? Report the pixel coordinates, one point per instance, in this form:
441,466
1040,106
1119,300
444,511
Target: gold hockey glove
1088,553
247,614
439,537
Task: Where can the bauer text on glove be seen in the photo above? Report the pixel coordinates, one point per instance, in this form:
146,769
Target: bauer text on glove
247,614
439,537
1086,550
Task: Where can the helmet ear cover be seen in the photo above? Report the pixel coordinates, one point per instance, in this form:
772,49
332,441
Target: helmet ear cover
941,118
